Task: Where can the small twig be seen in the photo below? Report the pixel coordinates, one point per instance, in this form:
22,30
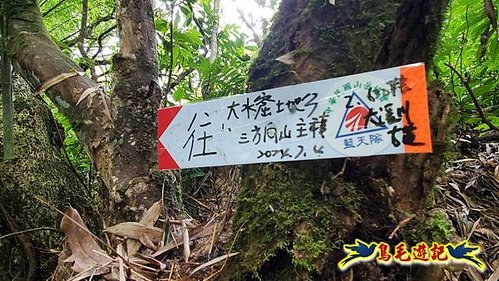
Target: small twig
177,81
401,224
171,272
342,171
212,240
200,203
26,245
230,250
196,22
491,108
185,236
256,37
68,160
90,29
473,97
28,231
101,38
53,8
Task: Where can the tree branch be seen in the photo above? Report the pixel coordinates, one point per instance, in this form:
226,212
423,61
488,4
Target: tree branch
26,245
214,33
28,231
90,29
38,60
167,90
101,38
137,97
256,37
196,22
473,97
53,8
83,36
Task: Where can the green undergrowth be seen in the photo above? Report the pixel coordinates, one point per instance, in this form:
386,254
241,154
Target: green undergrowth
436,228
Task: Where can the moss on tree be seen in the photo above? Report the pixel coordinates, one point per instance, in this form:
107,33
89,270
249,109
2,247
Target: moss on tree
37,173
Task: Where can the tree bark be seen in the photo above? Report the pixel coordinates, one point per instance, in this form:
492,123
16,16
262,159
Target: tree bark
119,137
38,59
294,216
136,98
37,180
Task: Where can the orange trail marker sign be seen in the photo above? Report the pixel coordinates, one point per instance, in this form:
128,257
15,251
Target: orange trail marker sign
374,113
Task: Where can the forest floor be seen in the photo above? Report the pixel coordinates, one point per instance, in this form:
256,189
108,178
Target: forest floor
470,189
193,241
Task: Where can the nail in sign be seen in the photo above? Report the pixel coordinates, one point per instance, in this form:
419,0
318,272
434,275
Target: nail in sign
374,113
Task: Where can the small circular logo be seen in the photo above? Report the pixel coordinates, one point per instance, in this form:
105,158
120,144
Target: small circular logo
356,119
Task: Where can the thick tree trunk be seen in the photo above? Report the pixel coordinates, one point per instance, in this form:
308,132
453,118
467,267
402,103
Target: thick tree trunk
136,100
35,182
39,60
294,217
119,137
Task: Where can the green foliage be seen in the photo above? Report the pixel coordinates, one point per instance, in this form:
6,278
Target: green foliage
63,21
464,46
194,77
436,228
72,147
183,57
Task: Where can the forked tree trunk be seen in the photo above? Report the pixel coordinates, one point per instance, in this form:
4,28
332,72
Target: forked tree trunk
293,218
120,137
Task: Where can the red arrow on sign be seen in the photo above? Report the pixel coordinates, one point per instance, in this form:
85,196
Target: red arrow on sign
165,118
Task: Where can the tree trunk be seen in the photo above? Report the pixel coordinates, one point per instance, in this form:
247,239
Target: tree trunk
120,138
39,60
293,218
35,182
136,98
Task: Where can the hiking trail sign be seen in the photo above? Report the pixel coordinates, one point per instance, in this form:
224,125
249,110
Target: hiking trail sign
374,113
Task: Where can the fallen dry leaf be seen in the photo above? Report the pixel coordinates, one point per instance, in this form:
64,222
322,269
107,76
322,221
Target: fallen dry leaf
149,219
213,261
138,231
86,254
288,58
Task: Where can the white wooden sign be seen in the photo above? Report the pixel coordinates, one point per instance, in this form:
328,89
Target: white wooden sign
374,113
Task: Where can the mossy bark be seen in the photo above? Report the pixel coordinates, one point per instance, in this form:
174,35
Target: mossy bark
120,138
293,218
38,59
35,182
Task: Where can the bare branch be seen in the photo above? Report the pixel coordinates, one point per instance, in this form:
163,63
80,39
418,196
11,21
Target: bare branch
473,98
83,35
177,81
101,38
196,22
53,8
214,33
256,37
28,231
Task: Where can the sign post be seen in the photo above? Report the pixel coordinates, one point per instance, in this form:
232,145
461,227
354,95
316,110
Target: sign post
374,113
